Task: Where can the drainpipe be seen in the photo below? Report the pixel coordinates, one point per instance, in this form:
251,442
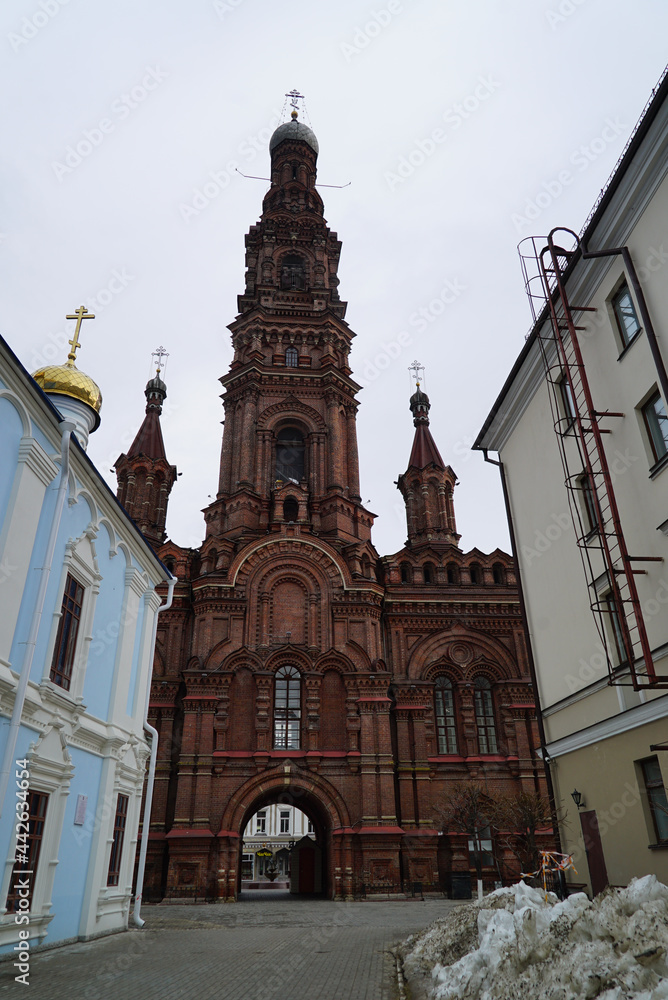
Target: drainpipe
153,733
29,652
532,665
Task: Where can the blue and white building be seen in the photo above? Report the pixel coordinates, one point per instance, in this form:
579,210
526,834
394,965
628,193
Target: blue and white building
77,633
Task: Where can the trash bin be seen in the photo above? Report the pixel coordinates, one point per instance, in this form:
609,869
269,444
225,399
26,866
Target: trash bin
460,886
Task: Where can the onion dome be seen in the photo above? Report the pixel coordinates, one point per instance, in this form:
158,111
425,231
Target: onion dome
420,406
296,132
67,380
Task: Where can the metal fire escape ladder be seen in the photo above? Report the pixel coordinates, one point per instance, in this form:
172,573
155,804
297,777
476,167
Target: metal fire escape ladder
613,594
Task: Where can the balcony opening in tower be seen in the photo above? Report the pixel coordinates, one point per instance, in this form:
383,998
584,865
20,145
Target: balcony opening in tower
290,455
293,273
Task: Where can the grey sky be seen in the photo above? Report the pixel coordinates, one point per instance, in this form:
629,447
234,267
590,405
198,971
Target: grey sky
164,98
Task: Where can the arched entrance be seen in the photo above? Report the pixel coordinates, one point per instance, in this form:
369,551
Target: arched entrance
321,856
308,852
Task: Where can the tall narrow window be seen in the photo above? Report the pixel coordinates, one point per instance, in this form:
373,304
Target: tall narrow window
588,503
656,422
476,573
405,572
285,821
261,822
484,716
291,357
287,709
446,728
625,314
28,849
428,572
120,820
567,401
453,573
290,455
615,627
656,793
68,628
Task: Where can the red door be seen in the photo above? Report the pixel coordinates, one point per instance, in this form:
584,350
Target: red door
595,859
307,869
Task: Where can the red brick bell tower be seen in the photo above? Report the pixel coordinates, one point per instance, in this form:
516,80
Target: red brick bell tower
295,666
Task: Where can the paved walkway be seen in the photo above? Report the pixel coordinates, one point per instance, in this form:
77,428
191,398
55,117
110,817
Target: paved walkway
270,947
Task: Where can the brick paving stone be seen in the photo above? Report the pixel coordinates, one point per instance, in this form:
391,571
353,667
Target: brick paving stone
264,948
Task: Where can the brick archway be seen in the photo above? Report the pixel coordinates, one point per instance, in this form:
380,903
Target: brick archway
314,797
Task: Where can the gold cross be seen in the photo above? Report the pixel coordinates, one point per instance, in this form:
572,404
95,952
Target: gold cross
79,314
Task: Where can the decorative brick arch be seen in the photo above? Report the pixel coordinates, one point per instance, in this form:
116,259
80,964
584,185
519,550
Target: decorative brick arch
333,660
298,550
463,648
279,781
294,409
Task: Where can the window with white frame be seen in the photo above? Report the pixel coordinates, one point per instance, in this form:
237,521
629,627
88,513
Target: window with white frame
261,822
656,796
625,314
614,627
28,849
656,424
68,630
567,401
285,821
589,505
120,822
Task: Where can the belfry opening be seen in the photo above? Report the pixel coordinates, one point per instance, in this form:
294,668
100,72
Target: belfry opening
295,660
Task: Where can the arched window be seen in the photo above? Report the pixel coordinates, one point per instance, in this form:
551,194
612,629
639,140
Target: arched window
291,357
452,570
287,708
475,572
293,272
213,559
405,572
499,573
428,572
446,729
290,509
290,455
484,716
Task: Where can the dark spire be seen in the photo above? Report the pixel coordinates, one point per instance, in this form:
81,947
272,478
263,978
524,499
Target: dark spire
427,485
145,477
149,440
424,450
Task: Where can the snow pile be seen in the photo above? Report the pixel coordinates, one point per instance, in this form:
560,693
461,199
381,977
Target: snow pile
515,945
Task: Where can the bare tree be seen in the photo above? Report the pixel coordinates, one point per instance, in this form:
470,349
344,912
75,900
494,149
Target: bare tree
518,818
468,809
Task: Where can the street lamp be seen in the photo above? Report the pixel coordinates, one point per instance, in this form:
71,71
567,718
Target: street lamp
577,798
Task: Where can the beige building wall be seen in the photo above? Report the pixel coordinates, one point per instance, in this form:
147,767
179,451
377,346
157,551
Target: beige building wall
596,733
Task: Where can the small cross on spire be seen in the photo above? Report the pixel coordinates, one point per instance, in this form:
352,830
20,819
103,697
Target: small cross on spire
295,96
415,370
159,354
80,314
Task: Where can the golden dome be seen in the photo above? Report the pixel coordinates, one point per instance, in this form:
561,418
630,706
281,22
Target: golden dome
69,381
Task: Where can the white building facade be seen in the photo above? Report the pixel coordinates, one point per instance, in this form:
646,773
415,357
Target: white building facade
77,632
581,432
